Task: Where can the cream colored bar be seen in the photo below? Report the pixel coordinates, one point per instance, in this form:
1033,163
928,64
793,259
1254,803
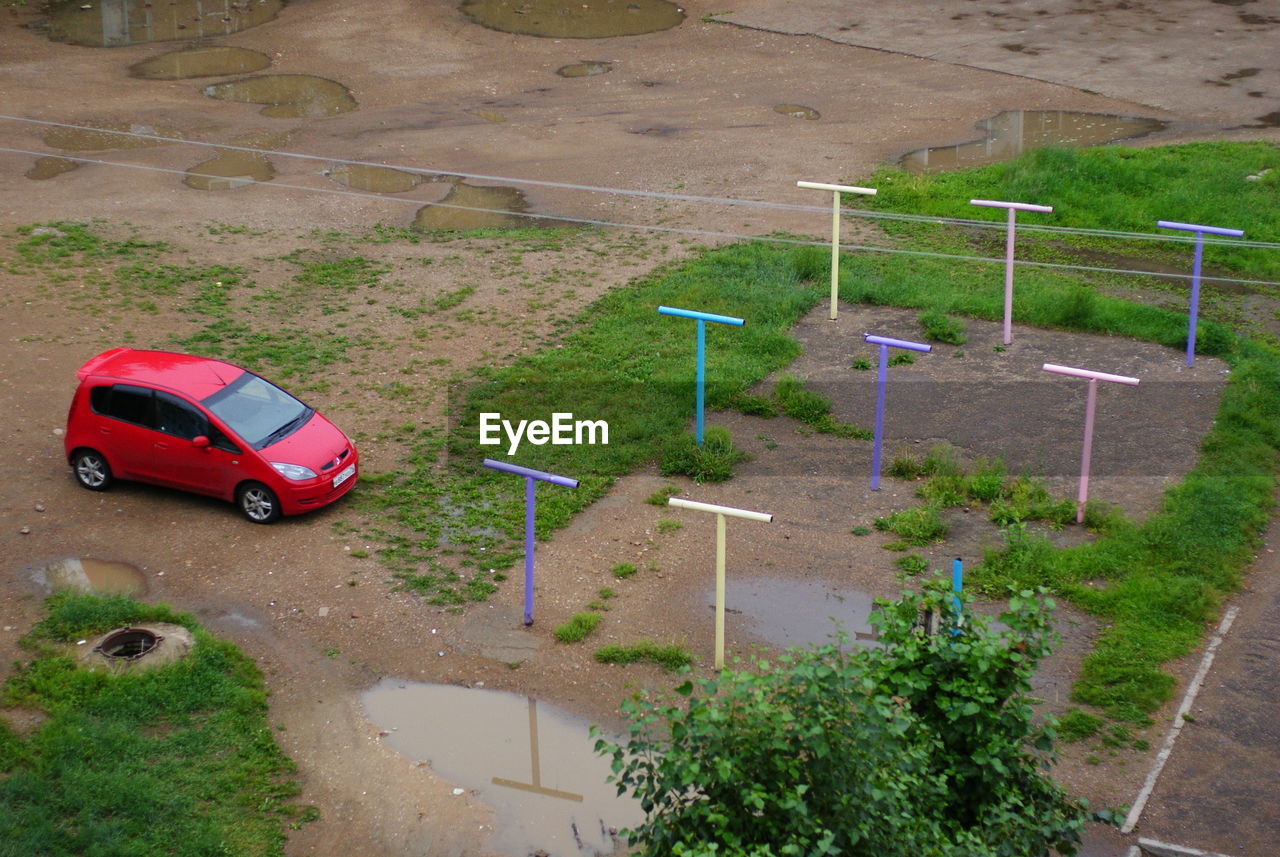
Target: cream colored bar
836,190
719,512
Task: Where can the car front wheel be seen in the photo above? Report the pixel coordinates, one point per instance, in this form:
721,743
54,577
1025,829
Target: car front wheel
91,469
258,503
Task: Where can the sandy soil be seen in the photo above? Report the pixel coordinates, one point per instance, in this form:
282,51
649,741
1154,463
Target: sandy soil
438,92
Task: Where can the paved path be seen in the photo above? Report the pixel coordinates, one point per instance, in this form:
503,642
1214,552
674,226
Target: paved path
1218,791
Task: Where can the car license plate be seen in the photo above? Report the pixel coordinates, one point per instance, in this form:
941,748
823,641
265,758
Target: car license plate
346,474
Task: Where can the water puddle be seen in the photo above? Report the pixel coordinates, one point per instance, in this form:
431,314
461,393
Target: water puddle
96,136
585,68
112,23
287,96
87,574
531,762
200,62
574,19
799,111
1013,131
47,168
376,179
229,170
477,208
790,613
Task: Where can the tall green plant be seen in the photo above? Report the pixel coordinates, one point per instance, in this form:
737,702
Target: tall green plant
923,746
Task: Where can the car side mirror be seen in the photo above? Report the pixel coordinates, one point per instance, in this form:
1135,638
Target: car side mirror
200,441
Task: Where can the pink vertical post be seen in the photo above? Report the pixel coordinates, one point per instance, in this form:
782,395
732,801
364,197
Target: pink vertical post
1014,208
1093,378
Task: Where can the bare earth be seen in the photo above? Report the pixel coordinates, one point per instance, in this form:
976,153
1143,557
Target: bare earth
690,111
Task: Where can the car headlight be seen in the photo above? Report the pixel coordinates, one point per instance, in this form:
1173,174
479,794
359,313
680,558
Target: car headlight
294,471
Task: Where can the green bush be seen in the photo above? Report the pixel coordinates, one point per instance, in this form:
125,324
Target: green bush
926,745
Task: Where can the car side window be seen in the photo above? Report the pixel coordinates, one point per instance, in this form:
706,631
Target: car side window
218,440
124,402
179,418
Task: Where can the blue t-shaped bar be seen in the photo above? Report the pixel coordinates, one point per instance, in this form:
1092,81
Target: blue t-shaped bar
882,377
1195,271
701,318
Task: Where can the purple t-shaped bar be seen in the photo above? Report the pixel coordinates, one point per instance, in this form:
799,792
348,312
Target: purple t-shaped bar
530,478
1014,208
1090,404
882,377
1195,272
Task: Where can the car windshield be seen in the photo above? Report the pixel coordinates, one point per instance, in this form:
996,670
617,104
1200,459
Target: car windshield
257,410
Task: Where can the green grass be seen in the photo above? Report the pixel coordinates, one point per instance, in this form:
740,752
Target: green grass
578,628
670,657
813,409
940,327
623,570
175,760
1114,188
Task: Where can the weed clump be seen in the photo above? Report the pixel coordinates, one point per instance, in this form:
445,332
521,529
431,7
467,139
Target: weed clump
711,462
578,628
670,657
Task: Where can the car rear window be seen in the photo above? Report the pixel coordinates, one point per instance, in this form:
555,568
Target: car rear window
123,402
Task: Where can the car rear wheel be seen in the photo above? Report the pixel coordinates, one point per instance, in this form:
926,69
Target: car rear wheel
91,469
258,503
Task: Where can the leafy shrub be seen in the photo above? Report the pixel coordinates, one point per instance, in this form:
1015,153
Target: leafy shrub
921,746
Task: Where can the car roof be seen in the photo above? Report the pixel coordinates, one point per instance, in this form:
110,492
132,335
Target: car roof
197,377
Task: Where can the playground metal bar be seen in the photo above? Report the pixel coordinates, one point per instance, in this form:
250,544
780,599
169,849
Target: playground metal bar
836,190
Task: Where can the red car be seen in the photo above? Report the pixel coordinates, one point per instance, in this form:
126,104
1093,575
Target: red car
205,426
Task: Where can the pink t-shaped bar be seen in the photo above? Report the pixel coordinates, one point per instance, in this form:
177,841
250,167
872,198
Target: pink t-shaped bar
1091,403
1014,208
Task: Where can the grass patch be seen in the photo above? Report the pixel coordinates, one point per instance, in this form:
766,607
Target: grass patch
813,409
578,628
920,526
175,760
711,462
623,570
940,327
670,657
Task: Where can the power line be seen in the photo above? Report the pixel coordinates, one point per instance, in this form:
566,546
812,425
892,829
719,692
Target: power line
614,224
675,197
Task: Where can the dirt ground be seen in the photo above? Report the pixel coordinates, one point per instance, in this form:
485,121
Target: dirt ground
686,111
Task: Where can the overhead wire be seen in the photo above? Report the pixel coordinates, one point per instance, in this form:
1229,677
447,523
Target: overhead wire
662,195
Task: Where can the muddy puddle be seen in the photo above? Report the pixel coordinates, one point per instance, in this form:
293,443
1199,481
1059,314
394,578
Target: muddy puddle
373,178
790,613
586,68
87,574
287,96
97,136
200,62
532,763
47,168
229,170
112,23
575,19
472,207
1010,133
798,111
